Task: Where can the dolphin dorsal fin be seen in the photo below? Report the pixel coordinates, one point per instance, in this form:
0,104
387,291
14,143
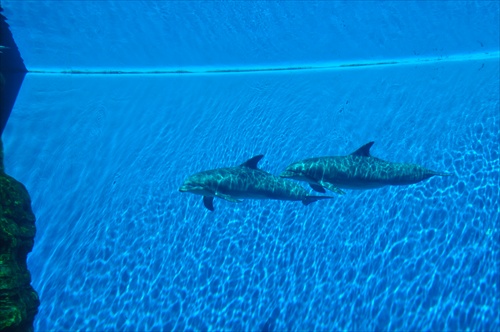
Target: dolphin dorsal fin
252,162
363,151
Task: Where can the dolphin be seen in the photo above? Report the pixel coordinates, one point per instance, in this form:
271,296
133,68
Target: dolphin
245,181
359,170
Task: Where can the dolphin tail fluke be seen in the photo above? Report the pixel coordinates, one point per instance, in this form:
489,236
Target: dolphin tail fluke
441,174
311,199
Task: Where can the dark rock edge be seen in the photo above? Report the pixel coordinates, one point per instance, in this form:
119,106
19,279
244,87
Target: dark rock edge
18,300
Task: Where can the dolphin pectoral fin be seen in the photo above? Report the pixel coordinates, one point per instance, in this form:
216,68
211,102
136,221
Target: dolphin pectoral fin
228,198
318,188
311,199
208,202
331,187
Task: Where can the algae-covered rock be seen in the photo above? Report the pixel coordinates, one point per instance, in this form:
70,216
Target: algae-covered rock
18,300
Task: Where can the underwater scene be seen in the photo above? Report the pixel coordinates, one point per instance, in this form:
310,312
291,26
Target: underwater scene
398,232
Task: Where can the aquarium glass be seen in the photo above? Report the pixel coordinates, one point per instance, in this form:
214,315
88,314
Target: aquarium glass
126,99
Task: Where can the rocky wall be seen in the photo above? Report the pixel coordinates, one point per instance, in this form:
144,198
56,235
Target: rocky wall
18,300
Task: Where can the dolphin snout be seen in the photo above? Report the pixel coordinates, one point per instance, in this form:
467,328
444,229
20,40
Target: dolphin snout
183,189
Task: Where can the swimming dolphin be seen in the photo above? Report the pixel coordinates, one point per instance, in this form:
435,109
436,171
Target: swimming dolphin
359,170
244,181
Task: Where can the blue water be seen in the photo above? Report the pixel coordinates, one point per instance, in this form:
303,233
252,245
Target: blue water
118,247
178,34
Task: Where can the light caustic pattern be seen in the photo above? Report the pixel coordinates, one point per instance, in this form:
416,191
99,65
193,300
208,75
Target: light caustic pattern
119,247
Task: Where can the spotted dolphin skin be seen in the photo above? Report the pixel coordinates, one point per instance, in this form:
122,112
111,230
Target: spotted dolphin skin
359,170
245,181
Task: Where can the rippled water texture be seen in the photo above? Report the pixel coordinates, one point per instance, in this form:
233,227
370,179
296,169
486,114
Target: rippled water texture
119,247
180,34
